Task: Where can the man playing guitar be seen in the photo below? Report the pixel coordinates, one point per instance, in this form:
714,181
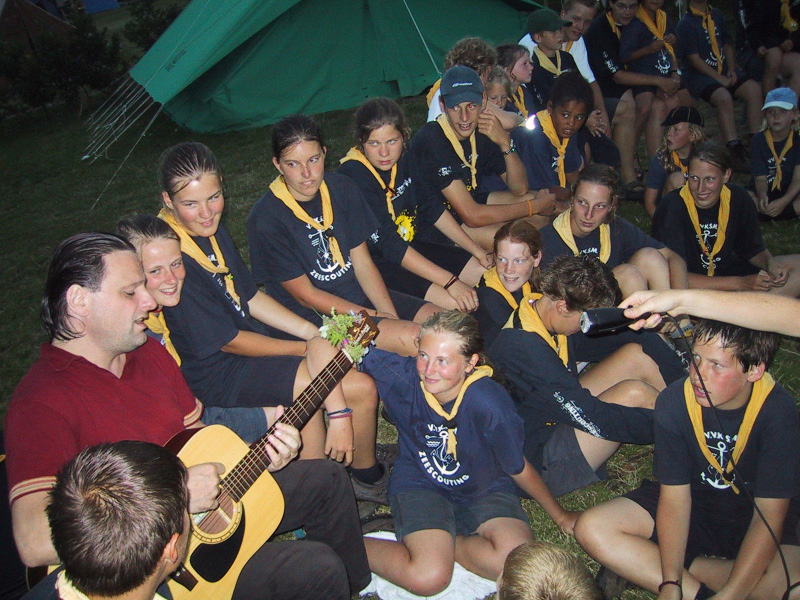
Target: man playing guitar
100,379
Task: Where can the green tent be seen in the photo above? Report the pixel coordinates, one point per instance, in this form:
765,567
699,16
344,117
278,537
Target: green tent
226,65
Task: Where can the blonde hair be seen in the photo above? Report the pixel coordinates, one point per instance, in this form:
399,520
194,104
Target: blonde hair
543,571
697,135
795,120
499,76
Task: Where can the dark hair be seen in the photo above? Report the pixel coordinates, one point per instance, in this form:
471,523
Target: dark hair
571,86
522,232
601,175
140,229
509,54
78,260
567,5
184,163
750,347
292,130
112,511
377,112
714,153
580,281
472,52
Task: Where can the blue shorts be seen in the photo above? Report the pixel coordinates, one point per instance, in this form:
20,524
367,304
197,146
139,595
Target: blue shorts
415,510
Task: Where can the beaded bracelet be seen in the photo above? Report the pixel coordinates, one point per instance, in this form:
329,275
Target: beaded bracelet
671,582
340,414
453,279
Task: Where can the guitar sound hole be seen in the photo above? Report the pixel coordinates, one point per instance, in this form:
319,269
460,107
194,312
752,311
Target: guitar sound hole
217,521
213,561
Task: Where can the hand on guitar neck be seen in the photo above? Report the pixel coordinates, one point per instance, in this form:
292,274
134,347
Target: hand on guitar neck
204,479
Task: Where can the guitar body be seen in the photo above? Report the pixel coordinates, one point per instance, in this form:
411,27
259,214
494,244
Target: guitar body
223,540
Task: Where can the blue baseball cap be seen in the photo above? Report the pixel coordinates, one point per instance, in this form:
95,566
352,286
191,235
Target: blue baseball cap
461,84
782,97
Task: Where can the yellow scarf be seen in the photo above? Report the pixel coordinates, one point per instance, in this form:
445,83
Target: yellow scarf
614,26
546,123
67,591
789,24
432,91
191,249
518,98
776,183
761,389
532,322
676,160
358,155
282,193
478,373
156,323
564,230
722,222
658,29
708,25
568,45
454,140
546,63
492,281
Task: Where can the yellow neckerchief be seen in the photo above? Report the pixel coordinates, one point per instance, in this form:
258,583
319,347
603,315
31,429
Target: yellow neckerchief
432,92
676,160
708,25
532,322
614,26
67,591
518,97
722,222
568,45
658,29
156,323
492,280
789,24
546,62
451,136
191,249
357,155
761,389
563,227
282,193
546,123
478,373
776,183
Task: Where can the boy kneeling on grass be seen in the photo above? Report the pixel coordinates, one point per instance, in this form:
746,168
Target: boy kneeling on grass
663,537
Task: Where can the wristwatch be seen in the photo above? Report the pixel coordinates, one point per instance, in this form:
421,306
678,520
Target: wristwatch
512,147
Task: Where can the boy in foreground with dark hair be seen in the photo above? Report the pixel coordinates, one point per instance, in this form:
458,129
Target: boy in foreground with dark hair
662,537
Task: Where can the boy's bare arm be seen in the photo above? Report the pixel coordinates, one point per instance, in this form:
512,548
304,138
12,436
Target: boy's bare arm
672,524
757,550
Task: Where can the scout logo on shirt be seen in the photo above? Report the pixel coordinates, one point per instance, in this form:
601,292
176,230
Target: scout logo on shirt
221,282
709,237
721,447
327,268
436,461
445,171
663,65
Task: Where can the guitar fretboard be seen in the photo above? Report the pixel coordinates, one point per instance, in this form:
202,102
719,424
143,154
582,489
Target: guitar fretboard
256,461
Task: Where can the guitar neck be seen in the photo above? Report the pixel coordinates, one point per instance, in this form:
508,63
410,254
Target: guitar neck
256,461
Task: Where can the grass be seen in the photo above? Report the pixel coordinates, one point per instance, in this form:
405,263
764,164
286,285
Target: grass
48,193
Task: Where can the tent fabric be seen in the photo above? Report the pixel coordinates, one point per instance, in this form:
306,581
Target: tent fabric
227,65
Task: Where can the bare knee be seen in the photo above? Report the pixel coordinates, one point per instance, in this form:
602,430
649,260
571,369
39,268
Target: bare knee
360,391
430,579
629,278
592,530
633,392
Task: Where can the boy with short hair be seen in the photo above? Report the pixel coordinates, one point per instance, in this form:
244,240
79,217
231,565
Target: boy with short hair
550,154
662,537
548,59
540,570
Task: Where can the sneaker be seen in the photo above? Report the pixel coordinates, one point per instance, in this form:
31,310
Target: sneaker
611,584
373,492
378,522
366,509
386,453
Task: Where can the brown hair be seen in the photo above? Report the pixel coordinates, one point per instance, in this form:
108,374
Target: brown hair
522,232
600,175
377,112
582,282
472,52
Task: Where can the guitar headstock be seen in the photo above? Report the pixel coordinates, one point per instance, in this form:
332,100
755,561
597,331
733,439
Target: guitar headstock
352,333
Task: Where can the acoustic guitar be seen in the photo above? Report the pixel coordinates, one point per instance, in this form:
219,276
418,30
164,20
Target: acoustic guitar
250,501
